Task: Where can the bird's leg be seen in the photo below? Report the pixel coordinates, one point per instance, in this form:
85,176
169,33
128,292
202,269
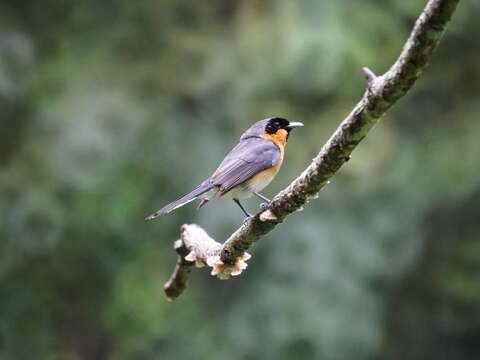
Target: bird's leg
202,203
264,205
264,198
247,214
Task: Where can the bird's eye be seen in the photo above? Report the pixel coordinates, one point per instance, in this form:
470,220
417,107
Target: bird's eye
271,128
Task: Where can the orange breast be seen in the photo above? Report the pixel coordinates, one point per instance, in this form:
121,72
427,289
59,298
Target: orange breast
263,178
279,138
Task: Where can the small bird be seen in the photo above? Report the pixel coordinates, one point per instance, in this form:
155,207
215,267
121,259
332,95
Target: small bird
247,169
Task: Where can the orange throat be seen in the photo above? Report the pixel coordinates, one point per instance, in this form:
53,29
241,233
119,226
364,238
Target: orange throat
279,138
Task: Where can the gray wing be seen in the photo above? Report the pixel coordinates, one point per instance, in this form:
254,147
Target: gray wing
248,158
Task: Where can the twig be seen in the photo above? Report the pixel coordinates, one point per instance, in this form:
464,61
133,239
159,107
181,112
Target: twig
381,93
195,247
178,280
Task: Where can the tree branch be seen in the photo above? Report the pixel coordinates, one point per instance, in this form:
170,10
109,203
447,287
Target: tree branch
381,93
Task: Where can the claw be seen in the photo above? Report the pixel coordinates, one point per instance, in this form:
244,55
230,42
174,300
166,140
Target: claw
247,218
264,206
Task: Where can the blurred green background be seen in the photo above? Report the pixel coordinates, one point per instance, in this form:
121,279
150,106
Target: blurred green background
109,109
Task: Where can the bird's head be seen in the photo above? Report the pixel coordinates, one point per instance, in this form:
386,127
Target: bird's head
276,129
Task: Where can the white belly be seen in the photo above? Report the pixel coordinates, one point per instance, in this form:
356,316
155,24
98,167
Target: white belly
240,192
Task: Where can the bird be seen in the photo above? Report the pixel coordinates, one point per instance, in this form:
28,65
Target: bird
246,170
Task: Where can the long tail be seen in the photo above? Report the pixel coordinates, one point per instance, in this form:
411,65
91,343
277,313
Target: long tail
185,199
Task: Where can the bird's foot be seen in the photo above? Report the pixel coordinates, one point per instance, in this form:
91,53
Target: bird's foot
247,218
264,206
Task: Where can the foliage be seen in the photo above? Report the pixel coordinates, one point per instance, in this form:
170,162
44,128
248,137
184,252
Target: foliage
112,108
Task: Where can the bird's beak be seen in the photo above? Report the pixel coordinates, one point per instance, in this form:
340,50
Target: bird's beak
294,124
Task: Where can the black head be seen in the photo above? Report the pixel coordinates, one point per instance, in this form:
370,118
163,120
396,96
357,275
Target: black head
270,126
276,123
